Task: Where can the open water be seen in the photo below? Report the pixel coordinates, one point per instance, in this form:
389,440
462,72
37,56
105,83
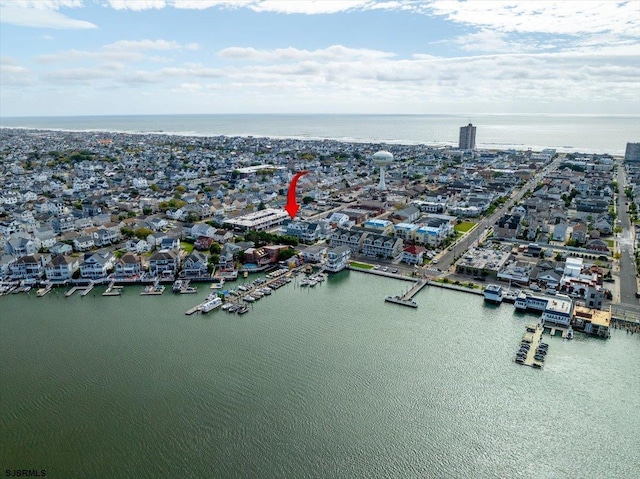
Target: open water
326,382
566,133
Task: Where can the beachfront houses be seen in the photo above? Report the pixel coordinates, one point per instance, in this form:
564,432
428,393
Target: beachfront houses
96,265
195,266
164,263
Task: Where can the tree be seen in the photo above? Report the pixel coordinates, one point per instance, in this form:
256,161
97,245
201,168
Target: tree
215,248
307,199
126,232
214,259
285,254
142,233
154,187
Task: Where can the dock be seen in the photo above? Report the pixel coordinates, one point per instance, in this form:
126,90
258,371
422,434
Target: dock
113,290
193,310
42,291
534,339
71,291
87,289
407,298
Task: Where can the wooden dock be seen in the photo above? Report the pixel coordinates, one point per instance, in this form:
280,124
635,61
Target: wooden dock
87,289
71,291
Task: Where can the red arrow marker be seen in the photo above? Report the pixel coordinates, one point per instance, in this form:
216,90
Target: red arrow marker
293,207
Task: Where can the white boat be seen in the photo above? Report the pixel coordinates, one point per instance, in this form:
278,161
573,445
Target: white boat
249,299
305,282
177,285
211,305
312,282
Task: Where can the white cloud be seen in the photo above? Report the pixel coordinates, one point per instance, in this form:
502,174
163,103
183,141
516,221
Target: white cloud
40,18
137,5
308,7
121,51
331,53
567,17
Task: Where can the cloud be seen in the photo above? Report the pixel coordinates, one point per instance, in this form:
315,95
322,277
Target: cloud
331,53
568,17
38,17
121,51
13,74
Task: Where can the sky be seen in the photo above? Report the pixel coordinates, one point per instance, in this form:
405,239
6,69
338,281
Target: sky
110,57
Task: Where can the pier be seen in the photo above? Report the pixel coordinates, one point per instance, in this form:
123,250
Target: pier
533,338
113,290
193,310
407,298
42,291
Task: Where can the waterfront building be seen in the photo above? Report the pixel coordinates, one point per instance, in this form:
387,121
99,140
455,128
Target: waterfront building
96,265
83,243
353,239
128,266
337,259
467,140
164,263
61,268
308,231
314,254
592,321
29,267
558,311
482,262
195,266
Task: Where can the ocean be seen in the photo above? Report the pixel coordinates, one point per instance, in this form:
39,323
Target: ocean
324,382
566,133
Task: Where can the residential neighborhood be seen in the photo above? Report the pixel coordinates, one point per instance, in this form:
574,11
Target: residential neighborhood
100,206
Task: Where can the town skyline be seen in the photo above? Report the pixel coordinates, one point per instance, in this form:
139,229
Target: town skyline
72,57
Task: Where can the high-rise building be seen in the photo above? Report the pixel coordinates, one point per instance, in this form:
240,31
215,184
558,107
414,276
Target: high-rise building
632,153
467,137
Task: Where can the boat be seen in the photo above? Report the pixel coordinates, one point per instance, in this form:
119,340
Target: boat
211,305
570,333
245,274
305,282
242,309
493,293
234,307
312,282
249,299
242,287
177,285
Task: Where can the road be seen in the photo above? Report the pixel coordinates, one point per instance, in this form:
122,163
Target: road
627,266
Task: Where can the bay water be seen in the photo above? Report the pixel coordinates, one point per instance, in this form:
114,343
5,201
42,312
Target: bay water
324,382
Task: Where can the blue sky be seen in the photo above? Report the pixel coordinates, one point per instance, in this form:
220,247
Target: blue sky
101,57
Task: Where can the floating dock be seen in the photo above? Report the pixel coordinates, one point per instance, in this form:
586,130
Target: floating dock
113,290
534,339
407,298
42,291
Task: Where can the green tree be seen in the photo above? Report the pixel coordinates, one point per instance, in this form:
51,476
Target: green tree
307,199
142,233
215,248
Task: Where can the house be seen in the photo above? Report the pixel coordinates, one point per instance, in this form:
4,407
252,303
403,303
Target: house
169,243
164,263
104,237
96,265
128,266
83,243
314,254
61,268
559,232
21,244
203,243
222,236
413,254
257,256
29,267
307,231
408,215
195,266
61,248
380,246
202,229
351,238
137,246
337,259
579,233
507,227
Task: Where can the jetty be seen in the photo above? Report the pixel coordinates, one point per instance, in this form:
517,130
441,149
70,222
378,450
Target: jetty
87,288
193,310
71,291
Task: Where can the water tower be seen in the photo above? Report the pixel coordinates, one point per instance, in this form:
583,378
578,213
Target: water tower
382,159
